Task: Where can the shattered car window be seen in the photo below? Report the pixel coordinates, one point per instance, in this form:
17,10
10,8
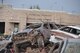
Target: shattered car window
46,26
66,29
52,26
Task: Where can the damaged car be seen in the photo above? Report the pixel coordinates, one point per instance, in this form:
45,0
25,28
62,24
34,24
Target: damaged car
67,32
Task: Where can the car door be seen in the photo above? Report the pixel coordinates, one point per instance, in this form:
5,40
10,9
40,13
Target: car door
71,46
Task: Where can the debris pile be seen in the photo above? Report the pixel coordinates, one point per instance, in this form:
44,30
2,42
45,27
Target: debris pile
31,42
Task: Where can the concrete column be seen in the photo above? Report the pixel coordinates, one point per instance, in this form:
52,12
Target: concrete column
7,28
22,24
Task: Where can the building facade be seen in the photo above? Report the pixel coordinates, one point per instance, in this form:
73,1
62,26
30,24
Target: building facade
16,19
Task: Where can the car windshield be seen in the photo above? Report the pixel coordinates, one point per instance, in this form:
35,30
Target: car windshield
66,29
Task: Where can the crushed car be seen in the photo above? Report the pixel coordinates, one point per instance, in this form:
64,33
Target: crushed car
34,36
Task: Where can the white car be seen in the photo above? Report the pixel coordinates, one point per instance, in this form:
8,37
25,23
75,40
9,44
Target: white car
67,32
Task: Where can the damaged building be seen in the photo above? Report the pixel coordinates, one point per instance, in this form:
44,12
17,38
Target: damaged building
12,19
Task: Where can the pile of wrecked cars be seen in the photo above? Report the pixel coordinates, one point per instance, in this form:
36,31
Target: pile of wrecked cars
42,38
